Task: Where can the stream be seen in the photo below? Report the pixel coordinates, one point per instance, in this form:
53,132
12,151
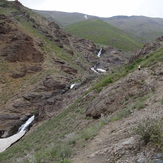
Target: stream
99,53
7,142
94,68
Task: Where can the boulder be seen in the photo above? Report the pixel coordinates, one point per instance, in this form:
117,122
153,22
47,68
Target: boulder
50,84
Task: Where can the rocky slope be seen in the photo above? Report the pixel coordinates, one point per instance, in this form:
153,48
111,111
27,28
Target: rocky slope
100,125
93,121
39,62
125,103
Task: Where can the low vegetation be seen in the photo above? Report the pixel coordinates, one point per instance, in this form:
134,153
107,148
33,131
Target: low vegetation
103,34
150,130
144,61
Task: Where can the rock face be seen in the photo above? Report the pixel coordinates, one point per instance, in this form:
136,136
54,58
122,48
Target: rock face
47,99
22,47
148,48
114,97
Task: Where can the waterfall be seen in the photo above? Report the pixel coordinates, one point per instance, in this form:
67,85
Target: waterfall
26,124
93,69
99,53
72,85
100,70
7,142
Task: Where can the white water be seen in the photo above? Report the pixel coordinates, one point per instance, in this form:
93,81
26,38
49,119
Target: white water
26,124
99,53
93,69
100,70
72,85
7,142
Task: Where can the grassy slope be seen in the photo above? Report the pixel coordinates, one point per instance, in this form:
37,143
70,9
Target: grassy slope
62,18
143,28
104,34
61,136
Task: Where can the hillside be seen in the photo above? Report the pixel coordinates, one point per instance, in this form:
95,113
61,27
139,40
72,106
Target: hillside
118,103
143,29
103,34
81,114
62,18
39,62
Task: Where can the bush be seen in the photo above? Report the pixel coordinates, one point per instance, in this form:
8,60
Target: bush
150,130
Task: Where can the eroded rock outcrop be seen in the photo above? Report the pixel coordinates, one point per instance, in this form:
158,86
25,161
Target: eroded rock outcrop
148,48
137,84
17,46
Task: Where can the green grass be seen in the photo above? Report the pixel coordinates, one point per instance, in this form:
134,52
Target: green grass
150,130
144,61
145,29
104,34
48,143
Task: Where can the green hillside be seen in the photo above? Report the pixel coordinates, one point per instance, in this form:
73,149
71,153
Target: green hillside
104,34
143,28
63,19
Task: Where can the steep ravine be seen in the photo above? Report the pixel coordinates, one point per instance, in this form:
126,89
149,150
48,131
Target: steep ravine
39,82
39,62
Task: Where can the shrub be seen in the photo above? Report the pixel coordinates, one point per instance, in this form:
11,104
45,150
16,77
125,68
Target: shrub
150,130
65,152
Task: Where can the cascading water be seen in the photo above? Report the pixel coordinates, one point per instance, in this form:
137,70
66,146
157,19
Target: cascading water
26,124
7,142
99,53
93,69
100,70
72,85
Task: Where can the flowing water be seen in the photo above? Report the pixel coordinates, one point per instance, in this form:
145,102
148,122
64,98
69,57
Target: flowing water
7,142
99,53
26,124
72,85
100,70
93,69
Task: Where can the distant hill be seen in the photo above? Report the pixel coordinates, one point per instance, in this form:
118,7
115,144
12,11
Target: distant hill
63,19
102,33
144,29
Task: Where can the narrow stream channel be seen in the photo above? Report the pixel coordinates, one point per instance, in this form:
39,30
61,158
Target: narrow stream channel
7,142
